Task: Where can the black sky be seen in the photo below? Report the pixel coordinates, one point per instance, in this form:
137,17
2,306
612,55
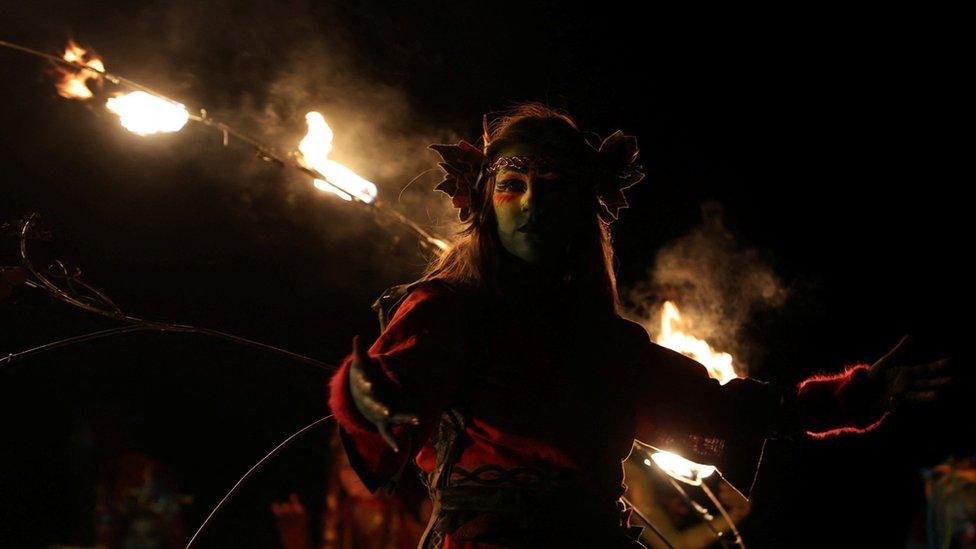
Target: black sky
826,135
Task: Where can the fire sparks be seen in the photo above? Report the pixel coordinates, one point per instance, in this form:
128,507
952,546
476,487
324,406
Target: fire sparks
73,82
674,337
144,114
315,148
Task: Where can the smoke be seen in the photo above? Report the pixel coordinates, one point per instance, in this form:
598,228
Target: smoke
300,57
717,283
260,66
378,134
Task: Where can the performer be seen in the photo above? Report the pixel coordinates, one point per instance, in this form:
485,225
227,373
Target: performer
507,373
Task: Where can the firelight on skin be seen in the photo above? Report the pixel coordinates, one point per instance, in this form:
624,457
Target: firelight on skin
535,211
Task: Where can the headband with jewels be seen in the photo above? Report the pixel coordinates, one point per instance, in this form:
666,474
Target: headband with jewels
608,169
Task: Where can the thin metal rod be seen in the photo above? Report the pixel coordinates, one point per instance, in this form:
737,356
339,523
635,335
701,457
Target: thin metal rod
113,78
133,324
250,472
265,151
725,515
706,517
44,283
67,342
165,328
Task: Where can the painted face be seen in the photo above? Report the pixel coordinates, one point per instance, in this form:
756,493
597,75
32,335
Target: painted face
536,210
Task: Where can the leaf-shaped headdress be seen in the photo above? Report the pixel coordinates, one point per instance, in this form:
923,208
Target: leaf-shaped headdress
608,170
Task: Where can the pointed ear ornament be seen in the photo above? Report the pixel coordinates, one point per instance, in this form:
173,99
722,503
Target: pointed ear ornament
617,162
613,170
462,165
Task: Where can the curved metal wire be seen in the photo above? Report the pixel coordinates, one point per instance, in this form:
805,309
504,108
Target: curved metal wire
166,328
703,512
705,516
110,310
43,282
250,472
134,324
725,515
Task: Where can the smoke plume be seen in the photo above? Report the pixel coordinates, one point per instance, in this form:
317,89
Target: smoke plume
717,283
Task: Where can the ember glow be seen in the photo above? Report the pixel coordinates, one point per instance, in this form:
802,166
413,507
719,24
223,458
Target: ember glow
679,468
72,84
674,336
146,114
315,148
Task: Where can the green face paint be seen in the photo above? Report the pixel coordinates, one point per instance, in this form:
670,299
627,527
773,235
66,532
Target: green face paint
536,209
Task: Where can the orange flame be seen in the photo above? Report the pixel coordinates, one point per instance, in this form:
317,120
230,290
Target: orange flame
682,469
673,336
73,82
143,113
315,148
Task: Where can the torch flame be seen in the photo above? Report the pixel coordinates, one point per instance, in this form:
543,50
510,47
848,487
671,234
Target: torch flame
72,84
719,365
682,469
315,148
143,113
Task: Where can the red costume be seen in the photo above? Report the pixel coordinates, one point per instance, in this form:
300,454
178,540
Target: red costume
553,396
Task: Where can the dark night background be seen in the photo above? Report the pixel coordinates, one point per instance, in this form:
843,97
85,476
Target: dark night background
825,136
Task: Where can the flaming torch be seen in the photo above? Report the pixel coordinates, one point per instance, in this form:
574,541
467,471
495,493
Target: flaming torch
674,336
679,468
339,180
144,111
144,114
72,83
688,472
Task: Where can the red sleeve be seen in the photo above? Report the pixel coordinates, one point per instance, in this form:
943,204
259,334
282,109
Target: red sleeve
681,409
421,352
830,405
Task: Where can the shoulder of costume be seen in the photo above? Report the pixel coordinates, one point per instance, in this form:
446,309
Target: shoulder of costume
640,346
391,298
631,328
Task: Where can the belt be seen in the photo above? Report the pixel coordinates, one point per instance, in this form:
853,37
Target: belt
559,517
525,502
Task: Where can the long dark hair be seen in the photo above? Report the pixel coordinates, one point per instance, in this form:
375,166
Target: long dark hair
472,261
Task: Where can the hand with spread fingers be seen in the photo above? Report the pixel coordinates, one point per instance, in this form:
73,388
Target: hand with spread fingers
375,396
901,382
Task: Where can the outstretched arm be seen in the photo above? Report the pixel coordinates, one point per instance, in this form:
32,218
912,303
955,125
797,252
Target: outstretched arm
411,372
827,405
862,396
681,409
